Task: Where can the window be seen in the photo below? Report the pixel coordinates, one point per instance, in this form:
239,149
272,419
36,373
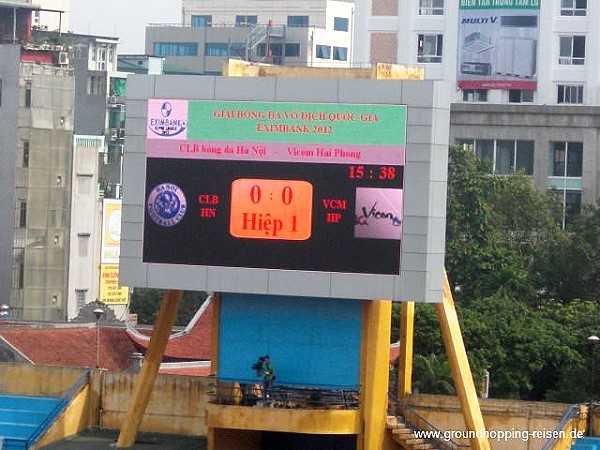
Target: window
216,49
520,96
340,53
22,214
475,95
572,50
245,21
175,49
323,51
80,296
570,94
274,50
28,94
25,153
430,48
292,50
340,24
504,156
93,85
297,21
431,7
567,159
573,7
93,52
201,21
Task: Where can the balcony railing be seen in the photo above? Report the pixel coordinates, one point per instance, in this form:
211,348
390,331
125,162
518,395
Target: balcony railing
243,393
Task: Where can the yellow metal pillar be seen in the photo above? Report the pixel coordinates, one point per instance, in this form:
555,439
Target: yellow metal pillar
461,372
405,358
376,368
145,380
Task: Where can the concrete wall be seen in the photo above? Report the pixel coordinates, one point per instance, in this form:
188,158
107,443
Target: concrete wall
177,404
27,379
9,143
510,416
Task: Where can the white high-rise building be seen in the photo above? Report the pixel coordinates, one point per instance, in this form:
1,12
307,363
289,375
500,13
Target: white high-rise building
527,77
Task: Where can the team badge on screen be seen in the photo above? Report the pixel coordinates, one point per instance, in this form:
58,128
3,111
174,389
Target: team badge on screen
378,213
166,205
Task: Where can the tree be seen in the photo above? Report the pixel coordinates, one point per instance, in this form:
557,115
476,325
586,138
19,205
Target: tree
570,269
146,301
496,227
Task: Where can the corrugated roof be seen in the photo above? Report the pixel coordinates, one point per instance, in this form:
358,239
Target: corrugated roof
73,346
193,346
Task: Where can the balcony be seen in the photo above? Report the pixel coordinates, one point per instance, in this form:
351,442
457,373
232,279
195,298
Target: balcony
291,409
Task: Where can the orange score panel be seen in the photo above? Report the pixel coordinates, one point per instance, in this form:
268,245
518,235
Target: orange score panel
271,209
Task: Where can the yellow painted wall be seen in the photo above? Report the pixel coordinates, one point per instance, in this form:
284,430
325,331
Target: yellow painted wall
177,404
74,420
27,379
445,414
312,421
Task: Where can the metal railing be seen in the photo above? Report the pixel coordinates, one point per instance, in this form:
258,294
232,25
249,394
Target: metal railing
244,393
572,413
412,419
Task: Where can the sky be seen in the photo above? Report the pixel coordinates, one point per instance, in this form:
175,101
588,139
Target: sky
125,19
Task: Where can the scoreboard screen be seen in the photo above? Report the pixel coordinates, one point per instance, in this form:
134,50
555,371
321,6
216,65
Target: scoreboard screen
274,185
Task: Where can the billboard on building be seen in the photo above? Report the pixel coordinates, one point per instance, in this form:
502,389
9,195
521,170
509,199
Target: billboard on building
497,44
111,292
312,186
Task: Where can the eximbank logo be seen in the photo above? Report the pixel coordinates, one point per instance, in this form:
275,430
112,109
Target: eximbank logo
167,118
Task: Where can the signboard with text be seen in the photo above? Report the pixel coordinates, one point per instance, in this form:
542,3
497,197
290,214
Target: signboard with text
497,44
111,292
275,185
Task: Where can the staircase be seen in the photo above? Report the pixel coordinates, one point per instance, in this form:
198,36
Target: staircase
405,435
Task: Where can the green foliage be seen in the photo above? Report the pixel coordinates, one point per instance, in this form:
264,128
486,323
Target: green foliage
145,302
517,278
434,375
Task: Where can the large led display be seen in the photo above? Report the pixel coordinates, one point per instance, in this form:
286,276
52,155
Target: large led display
275,185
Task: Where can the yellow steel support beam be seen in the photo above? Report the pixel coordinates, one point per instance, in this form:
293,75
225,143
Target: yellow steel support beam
405,358
461,372
145,380
376,357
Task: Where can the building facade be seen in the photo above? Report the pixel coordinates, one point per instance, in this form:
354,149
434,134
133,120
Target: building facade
37,109
317,34
526,74
62,109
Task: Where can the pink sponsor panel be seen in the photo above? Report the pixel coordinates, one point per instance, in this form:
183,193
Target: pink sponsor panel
378,213
275,152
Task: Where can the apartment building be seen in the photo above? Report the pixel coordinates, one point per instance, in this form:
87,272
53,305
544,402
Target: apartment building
526,74
317,33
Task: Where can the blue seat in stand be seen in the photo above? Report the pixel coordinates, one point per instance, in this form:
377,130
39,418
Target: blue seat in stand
21,417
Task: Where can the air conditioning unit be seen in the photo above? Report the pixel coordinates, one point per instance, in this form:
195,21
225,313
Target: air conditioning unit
114,134
63,58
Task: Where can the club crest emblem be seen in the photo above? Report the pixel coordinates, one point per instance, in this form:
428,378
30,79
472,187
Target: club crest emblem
166,205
